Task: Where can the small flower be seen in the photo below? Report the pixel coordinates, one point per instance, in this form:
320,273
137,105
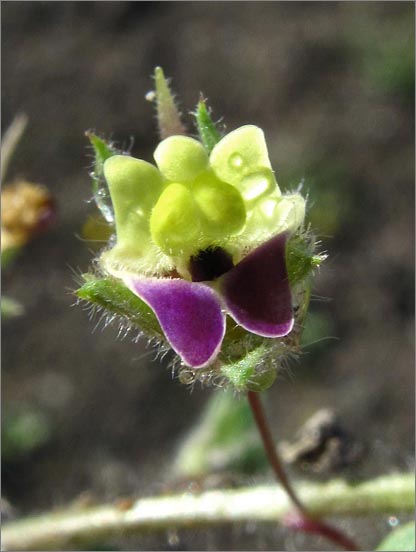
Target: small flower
208,241
27,209
202,236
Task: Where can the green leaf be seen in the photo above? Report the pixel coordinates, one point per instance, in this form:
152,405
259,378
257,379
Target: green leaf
208,132
401,538
102,151
115,297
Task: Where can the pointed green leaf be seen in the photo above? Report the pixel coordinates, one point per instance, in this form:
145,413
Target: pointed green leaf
208,132
168,116
112,295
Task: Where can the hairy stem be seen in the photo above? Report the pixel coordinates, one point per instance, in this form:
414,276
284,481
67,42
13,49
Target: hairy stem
303,519
77,529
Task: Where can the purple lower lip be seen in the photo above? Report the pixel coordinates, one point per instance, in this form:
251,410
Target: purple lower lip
189,313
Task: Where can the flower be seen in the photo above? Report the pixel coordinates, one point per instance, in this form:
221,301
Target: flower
202,238
27,209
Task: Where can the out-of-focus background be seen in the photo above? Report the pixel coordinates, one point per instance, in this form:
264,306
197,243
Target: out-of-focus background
332,84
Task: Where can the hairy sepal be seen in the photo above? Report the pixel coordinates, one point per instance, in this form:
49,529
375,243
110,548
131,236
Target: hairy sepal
113,296
102,151
207,130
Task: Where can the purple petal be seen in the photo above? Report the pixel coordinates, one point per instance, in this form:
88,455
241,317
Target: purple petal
189,313
257,292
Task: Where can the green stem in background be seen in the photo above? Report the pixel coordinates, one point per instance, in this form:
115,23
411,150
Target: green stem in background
302,520
72,529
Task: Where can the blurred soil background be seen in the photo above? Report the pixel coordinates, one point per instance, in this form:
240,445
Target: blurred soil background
332,84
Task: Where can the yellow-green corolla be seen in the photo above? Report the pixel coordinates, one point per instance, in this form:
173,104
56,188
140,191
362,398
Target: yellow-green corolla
201,236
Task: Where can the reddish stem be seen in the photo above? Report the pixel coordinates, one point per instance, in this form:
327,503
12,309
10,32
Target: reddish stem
302,520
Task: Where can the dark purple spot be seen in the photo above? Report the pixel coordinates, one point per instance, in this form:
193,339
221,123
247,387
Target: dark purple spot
210,264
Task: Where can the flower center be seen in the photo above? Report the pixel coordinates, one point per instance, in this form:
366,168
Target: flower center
209,264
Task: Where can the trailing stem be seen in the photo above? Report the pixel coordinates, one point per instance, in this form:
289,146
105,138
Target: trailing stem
301,519
85,528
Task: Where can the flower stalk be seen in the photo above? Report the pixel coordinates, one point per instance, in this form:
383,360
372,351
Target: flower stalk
302,520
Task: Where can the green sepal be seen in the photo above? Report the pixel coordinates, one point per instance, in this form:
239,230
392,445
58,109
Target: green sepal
112,295
102,151
242,373
207,130
168,116
300,259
